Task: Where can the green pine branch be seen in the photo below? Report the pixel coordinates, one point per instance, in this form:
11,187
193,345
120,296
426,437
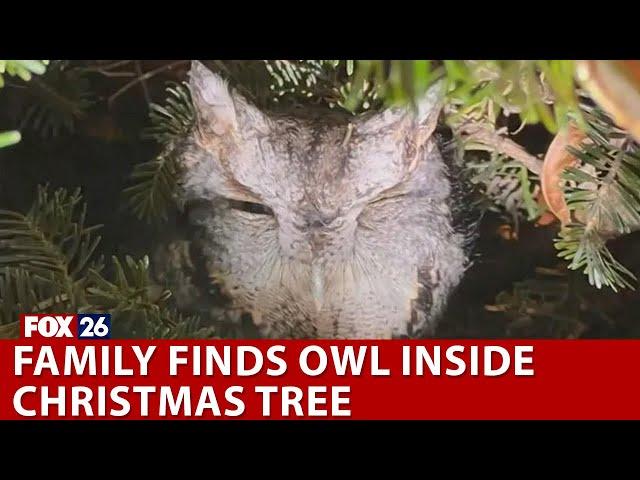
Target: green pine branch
22,292
320,81
48,264
507,184
51,241
139,304
604,198
586,250
173,120
174,325
131,288
154,182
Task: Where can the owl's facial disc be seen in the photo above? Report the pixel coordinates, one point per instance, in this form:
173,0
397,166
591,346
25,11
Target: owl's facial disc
323,221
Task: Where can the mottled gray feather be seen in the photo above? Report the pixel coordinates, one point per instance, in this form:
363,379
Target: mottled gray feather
357,240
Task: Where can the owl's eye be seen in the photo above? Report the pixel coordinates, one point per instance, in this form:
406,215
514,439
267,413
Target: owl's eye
250,207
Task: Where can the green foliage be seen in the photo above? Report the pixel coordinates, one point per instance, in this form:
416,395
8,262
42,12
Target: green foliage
174,120
507,184
21,291
320,81
393,81
154,185
175,326
151,195
47,265
141,305
51,241
48,256
22,69
604,198
587,251
9,138
537,90
130,291
299,76
556,303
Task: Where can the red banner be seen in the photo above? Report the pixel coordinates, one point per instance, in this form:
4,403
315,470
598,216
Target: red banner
430,379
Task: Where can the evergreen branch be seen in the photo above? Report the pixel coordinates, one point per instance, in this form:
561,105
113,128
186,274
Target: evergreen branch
507,183
47,266
320,81
155,181
130,290
176,326
587,251
155,184
175,119
604,200
137,305
49,242
480,136
21,292
45,255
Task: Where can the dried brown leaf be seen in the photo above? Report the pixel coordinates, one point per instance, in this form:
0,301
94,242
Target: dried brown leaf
556,160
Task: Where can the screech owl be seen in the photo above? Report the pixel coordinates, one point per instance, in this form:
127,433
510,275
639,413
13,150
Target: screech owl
331,226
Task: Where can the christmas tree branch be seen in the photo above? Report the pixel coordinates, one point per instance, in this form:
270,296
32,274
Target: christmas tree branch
484,135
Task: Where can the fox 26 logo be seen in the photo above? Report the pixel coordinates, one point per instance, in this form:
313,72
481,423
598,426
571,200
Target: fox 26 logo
84,326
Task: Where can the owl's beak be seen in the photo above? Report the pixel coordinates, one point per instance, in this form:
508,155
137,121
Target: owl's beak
317,285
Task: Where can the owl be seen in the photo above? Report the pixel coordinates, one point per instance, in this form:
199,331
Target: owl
324,225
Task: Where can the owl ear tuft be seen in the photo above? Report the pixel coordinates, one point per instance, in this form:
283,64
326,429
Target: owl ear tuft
212,99
420,120
428,109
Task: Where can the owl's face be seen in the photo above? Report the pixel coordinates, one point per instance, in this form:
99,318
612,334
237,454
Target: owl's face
322,227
